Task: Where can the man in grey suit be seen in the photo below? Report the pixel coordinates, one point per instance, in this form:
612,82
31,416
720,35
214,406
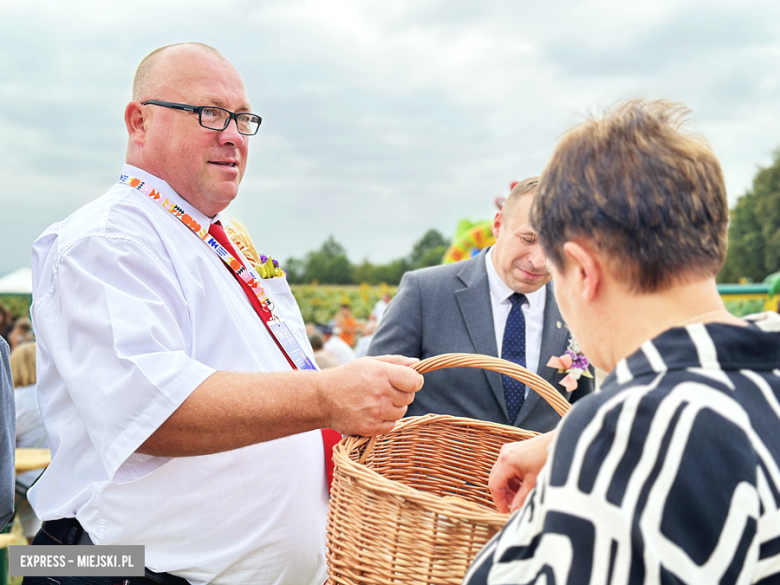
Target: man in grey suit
500,302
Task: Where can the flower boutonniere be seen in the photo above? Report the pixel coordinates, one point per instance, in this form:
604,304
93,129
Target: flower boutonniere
269,268
265,266
573,363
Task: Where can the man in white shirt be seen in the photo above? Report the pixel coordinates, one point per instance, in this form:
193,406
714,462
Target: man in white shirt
380,307
498,303
325,359
361,349
174,417
337,346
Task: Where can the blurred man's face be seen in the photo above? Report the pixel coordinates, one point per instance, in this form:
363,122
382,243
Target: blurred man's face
203,166
517,255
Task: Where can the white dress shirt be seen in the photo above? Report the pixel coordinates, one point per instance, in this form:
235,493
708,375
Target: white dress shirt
340,348
379,310
533,311
361,349
132,312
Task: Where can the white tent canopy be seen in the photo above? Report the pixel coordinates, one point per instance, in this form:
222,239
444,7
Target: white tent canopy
17,282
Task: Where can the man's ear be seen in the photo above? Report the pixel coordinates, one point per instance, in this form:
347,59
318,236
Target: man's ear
588,270
134,120
497,223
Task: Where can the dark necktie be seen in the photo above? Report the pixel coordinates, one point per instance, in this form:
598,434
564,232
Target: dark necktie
513,350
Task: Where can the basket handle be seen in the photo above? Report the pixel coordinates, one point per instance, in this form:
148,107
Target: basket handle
486,362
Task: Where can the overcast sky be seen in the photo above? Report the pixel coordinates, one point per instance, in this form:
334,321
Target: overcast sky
380,119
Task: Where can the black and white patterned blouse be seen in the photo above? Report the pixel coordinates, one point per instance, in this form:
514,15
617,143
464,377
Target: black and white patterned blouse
670,475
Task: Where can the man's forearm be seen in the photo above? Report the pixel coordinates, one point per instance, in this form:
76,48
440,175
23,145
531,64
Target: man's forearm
230,410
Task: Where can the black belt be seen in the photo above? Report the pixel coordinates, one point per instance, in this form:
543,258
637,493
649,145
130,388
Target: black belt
69,531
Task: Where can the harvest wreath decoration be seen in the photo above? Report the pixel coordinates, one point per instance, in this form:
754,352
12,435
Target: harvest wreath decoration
266,266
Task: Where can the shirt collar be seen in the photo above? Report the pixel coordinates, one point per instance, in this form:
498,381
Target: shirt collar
679,348
167,191
500,290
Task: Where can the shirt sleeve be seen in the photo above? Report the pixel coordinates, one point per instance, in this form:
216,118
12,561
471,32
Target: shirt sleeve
639,490
116,329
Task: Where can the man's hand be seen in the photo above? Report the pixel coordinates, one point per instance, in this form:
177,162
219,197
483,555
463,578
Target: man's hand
514,474
365,397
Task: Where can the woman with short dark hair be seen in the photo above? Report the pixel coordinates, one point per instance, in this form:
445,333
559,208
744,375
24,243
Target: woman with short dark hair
671,474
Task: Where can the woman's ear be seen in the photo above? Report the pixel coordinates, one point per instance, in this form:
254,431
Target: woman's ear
587,269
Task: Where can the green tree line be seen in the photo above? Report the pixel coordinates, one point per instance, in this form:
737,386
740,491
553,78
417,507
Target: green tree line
330,265
753,245
754,229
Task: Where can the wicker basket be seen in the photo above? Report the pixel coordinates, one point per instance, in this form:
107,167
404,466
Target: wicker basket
413,506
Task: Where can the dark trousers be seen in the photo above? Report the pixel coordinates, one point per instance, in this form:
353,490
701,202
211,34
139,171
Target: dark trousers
68,531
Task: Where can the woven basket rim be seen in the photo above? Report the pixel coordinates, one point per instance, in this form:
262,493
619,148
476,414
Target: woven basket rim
533,380
379,483
359,472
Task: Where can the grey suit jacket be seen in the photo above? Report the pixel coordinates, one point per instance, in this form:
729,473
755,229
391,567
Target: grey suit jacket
447,309
7,437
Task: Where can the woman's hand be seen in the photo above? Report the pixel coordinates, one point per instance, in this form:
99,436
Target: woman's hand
514,474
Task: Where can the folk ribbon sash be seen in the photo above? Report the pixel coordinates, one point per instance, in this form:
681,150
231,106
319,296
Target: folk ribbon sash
262,310
217,240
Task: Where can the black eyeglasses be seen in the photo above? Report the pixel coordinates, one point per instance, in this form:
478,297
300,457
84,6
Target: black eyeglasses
215,118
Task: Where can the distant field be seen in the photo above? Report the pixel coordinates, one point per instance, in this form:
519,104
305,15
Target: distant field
319,303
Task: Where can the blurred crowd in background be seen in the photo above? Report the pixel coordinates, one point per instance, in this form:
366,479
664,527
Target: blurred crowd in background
30,434
344,337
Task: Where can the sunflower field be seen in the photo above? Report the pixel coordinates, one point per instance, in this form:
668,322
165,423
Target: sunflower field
320,302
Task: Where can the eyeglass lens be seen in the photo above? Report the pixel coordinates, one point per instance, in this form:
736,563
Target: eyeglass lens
218,119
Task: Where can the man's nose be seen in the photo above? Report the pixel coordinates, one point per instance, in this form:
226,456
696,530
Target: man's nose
230,136
538,259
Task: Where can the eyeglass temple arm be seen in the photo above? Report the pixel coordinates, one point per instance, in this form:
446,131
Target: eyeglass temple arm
175,106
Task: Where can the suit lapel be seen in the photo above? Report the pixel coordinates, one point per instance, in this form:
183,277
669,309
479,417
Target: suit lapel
477,312
554,339
555,336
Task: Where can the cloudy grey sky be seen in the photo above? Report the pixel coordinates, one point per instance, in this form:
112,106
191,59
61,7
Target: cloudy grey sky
380,119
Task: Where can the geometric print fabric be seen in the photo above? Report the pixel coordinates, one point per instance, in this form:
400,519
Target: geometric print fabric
671,474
